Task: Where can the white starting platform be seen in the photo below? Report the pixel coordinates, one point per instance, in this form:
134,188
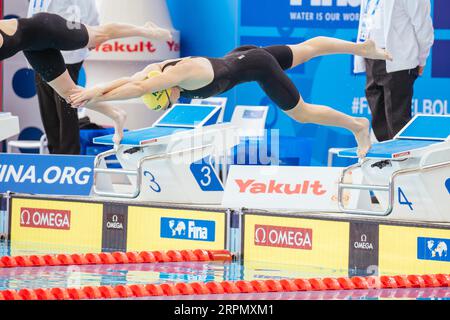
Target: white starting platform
172,160
409,175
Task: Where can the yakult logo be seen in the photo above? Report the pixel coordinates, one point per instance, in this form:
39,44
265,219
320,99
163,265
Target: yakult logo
283,237
117,46
45,218
275,187
138,47
326,3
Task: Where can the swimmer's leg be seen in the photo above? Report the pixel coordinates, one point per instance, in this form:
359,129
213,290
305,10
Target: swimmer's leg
318,114
106,32
46,30
64,85
280,88
51,66
321,46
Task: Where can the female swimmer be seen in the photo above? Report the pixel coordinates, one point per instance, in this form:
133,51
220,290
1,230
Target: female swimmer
42,36
200,77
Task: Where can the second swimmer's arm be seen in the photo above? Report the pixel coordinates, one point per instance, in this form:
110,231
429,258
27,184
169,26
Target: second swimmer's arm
136,89
81,97
123,81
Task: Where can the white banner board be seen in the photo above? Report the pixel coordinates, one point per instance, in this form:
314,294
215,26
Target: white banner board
137,49
291,188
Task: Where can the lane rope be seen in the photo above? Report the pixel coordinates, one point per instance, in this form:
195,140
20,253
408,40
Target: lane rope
106,258
230,287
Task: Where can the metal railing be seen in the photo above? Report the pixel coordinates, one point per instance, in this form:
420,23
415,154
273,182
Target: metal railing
137,173
390,188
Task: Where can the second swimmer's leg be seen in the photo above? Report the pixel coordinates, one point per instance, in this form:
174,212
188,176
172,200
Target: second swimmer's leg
321,46
106,32
50,65
64,86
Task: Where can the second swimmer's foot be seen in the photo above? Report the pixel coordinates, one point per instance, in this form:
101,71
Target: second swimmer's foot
119,125
153,31
362,136
371,51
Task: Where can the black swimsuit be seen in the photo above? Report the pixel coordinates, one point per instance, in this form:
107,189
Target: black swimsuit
250,63
41,38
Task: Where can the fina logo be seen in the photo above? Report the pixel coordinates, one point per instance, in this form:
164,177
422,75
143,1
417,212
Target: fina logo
433,249
52,175
327,3
46,174
184,229
179,230
437,249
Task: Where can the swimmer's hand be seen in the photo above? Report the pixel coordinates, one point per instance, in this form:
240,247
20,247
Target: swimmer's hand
80,97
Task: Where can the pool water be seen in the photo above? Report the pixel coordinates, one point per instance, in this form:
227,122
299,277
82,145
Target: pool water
159,273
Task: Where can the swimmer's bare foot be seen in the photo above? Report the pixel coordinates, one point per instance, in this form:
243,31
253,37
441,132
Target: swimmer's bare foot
119,125
371,51
362,136
153,31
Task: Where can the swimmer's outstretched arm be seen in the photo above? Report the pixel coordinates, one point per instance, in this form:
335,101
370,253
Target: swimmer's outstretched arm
135,88
101,89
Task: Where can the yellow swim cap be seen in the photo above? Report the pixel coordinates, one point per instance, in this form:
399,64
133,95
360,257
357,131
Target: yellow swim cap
156,100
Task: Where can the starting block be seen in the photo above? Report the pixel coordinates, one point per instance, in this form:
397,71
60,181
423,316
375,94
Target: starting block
170,162
409,175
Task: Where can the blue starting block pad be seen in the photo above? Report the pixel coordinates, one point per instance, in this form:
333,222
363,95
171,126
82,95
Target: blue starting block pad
390,149
140,137
424,127
189,116
180,118
421,132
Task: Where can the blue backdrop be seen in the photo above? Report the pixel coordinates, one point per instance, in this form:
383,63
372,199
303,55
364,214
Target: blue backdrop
212,28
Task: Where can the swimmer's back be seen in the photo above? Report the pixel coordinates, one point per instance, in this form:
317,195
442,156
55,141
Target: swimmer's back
243,64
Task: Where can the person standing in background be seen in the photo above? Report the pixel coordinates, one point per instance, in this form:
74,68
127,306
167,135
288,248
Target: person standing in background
59,119
405,29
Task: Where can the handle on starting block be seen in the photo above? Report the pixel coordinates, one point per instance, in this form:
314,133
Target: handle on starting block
98,170
366,187
137,173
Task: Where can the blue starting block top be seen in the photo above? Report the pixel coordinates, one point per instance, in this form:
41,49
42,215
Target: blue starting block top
424,127
422,131
389,149
140,137
189,116
181,117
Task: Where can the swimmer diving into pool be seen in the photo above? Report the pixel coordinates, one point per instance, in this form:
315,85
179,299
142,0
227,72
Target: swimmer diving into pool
201,77
42,36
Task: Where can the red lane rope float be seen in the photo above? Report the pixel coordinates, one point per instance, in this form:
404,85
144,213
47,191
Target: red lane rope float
229,287
392,283
105,258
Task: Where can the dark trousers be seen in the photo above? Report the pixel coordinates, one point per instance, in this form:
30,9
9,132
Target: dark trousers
59,119
390,98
